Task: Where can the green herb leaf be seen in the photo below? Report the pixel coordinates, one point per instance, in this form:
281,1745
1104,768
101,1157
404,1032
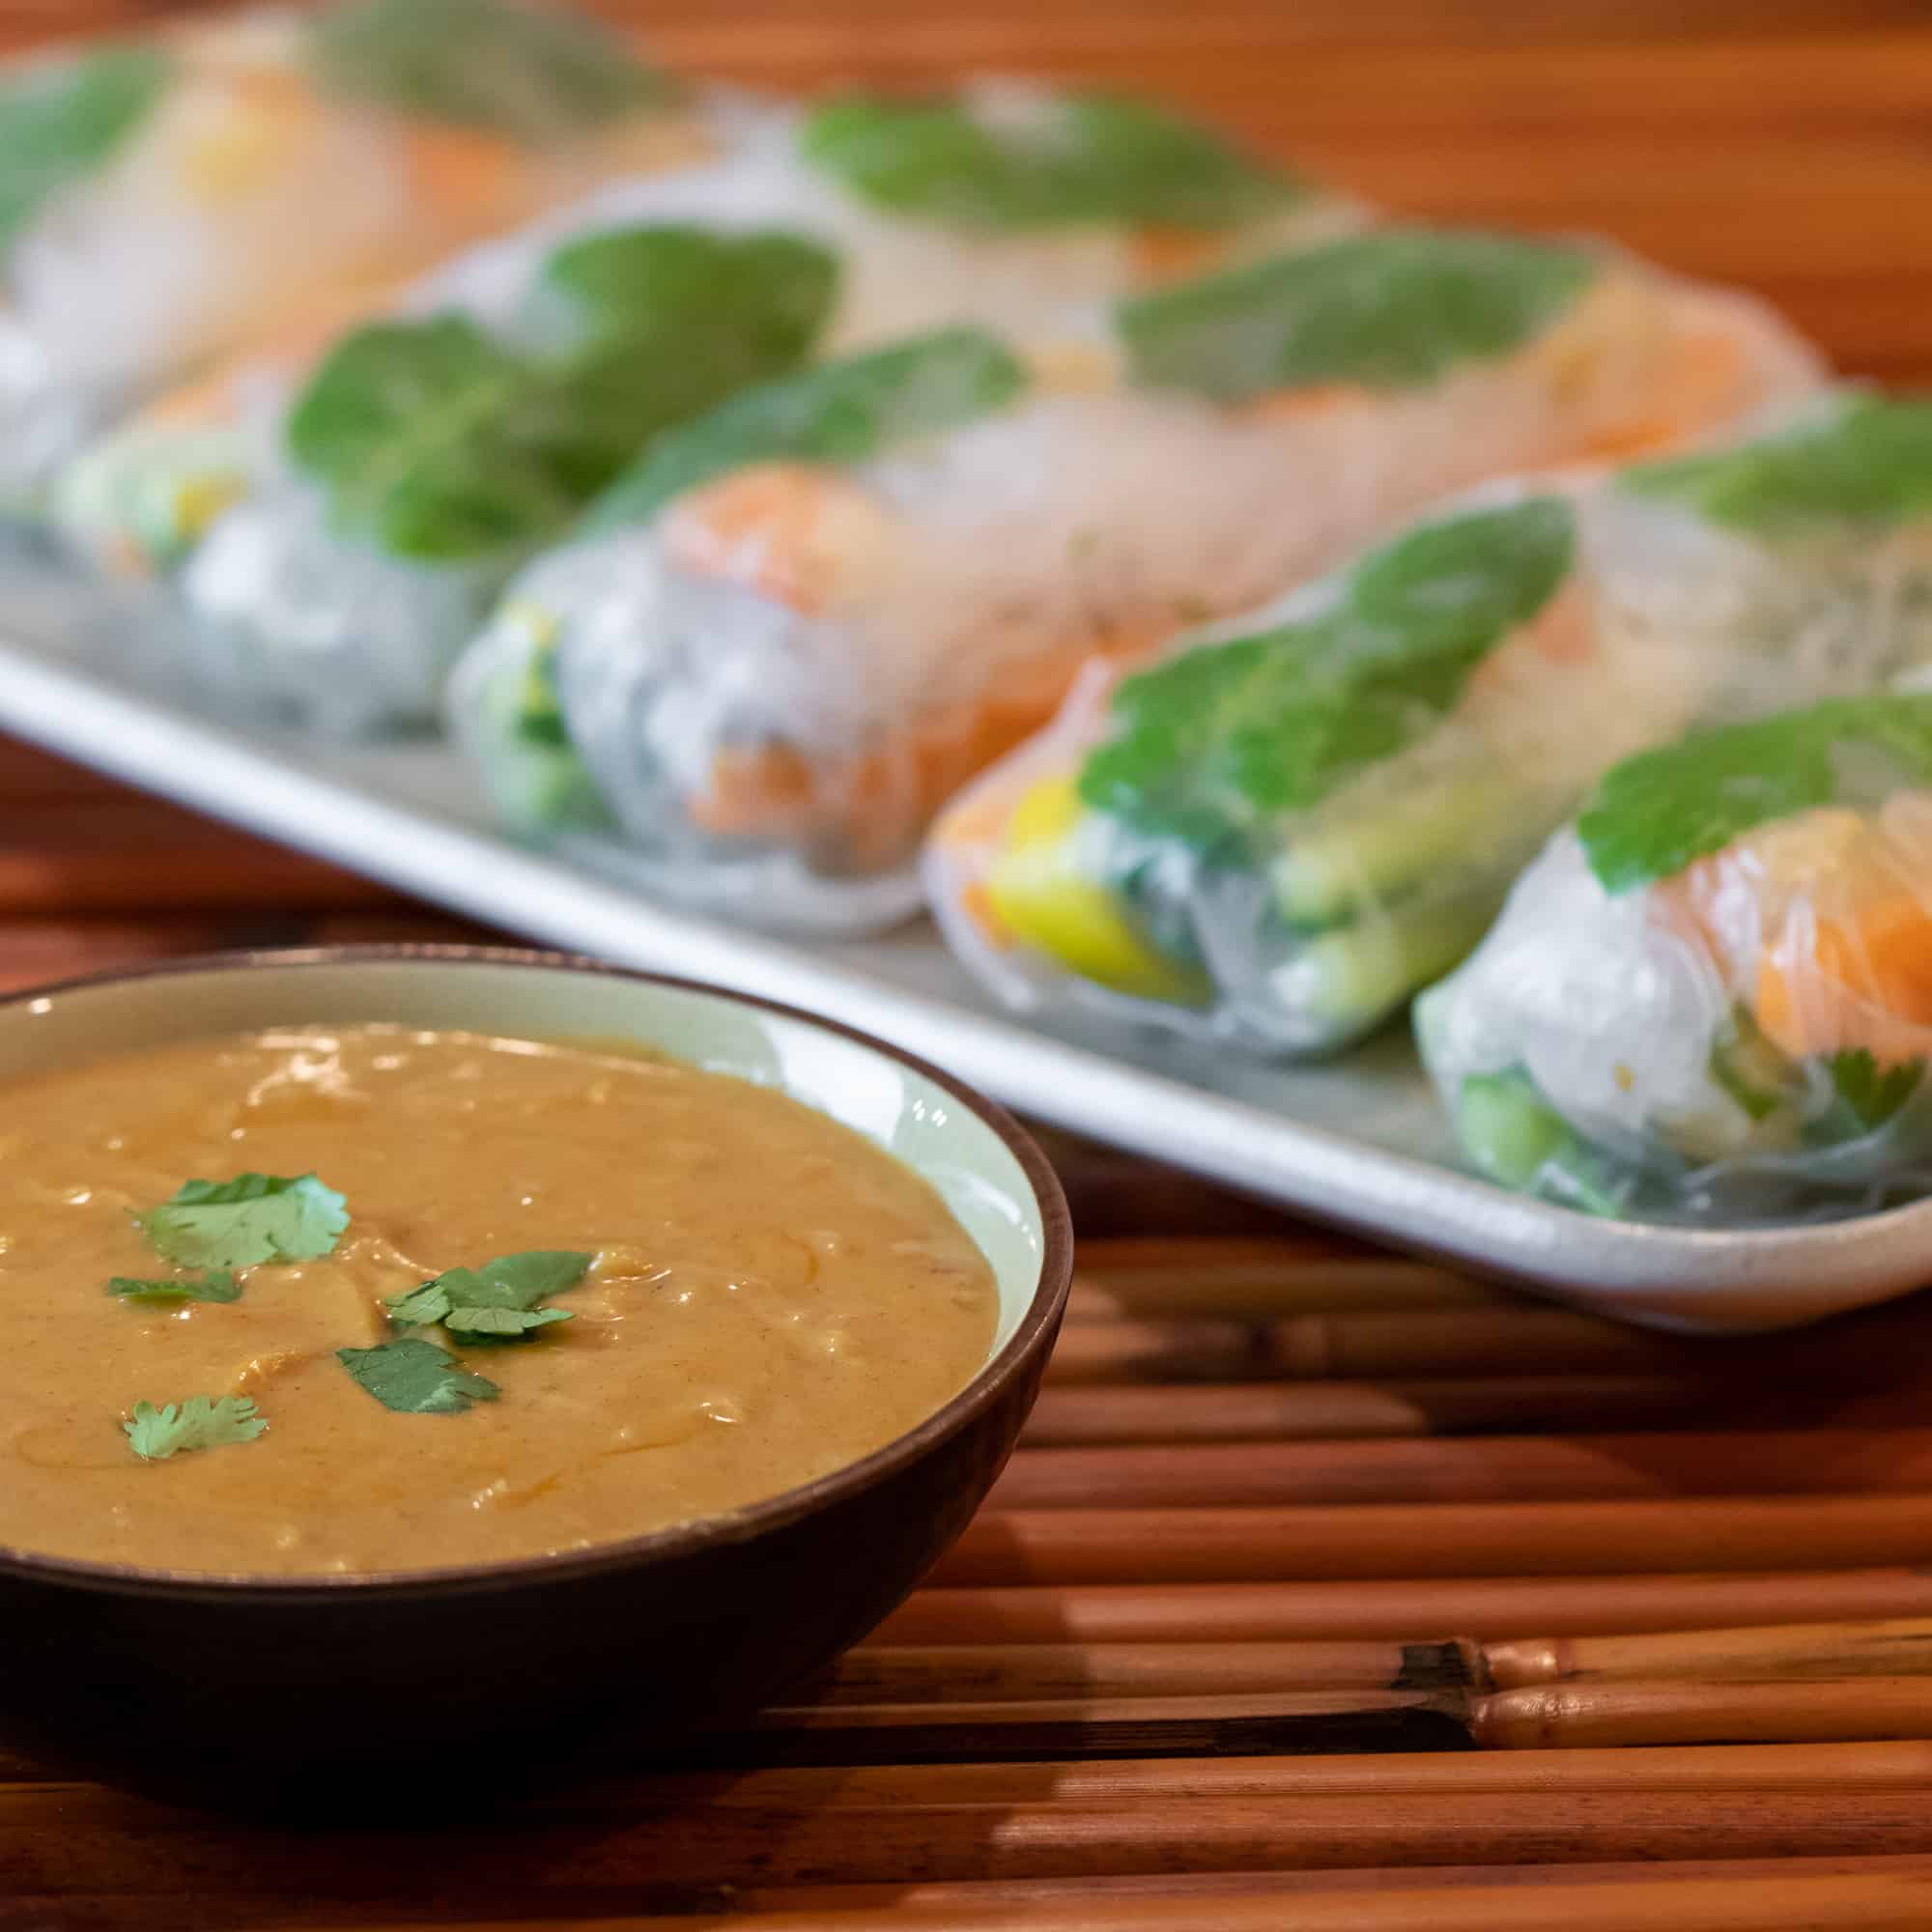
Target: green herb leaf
1218,738
198,1422
534,73
213,1284
499,1299
1654,813
1864,463
1394,309
650,326
416,1377
251,1219
62,119
501,1324
436,440
842,412
1864,1094
1082,156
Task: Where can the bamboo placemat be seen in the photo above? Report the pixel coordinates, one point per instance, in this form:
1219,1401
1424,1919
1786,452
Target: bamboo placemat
1190,1668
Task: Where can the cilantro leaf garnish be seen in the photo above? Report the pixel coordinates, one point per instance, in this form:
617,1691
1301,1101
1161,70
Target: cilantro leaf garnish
1082,155
498,1301
198,1422
244,1222
212,1285
416,1377
1655,813
1215,739
1396,309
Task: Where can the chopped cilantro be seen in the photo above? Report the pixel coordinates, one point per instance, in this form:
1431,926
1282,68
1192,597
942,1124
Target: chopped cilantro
251,1219
498,1301
416,1377
198,1422
213,1284
1655,813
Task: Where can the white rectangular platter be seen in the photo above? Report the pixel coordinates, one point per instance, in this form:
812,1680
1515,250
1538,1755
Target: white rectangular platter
1357,1142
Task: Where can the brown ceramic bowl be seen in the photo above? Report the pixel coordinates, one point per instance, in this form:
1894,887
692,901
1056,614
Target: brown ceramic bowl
247,1684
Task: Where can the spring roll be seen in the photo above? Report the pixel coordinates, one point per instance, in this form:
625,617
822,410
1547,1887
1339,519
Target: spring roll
803,622
1710,998
1011,205
1293,823
164,198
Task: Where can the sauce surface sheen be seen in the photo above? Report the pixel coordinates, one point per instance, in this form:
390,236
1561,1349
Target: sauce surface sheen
772,1297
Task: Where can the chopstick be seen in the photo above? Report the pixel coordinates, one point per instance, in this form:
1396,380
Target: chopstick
1900,1647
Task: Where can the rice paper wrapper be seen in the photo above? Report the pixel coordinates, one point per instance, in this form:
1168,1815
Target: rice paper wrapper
1291,823
169,198
782,674
1710,999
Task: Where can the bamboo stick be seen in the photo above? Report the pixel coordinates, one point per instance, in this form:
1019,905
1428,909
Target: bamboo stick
1898,1647
1870,1900
1179,1546
555,1856
1266,1290
1840,1709
1408,1609
957,1673
1068,1414
1472,1469
1201,1781
1473,1340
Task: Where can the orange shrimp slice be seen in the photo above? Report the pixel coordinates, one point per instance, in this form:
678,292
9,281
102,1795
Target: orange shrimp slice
791,532
1867,982
877,804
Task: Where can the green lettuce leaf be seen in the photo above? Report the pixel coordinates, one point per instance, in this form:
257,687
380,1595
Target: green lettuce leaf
198,1422
1394,309
1866,463
531,73
415,1378
212,1285
244,1222
844,412
60,120
436,440
1655,813
1218,738
1087,156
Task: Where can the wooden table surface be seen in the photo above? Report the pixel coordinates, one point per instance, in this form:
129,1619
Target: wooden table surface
1266,1459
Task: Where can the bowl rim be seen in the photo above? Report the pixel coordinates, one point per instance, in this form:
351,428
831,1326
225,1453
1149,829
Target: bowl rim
988,1384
